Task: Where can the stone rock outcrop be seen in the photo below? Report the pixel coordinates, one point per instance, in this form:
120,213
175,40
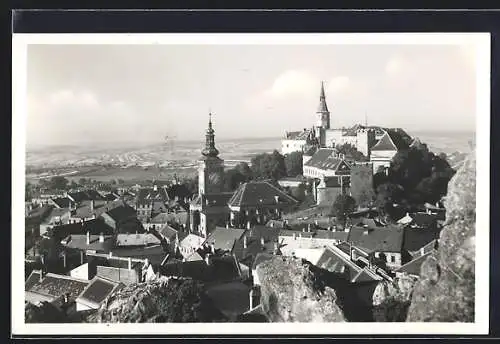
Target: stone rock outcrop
43,313
292,292
162,300
392,300
445,292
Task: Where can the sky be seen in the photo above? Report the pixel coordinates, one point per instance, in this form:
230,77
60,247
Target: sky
80,94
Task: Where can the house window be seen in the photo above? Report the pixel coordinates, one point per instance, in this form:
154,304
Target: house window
393,258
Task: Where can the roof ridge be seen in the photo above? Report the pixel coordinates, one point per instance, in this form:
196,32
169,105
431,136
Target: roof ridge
66,277
280,191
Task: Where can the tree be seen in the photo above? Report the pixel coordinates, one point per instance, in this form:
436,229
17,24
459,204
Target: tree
28,192
121,182
293,164
342,207
82,181
387,195
268,166
58,183
245,170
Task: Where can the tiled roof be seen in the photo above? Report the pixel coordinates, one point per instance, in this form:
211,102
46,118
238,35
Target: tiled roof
334,181
259,193
388,239
392,140
298,135
54,285
80,242
97,291
224,238
121,213
62,202
139,239
216,200
192,241
416,238
424,220
155,254
260,258
327,159
413,267
221,269
94,227
168,232
78,196
161,218
145,195
55,213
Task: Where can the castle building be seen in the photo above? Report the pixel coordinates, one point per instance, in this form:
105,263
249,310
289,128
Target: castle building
322,135
209,209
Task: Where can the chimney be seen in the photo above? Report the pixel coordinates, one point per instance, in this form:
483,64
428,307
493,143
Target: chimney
262,242
249,225
207,258
245,242
101,237
212,248
277,199
42,259
81,257
309,227
64,260
41,275
227,224
155,188
129,263
422,251
88,238
294,236
92,205
110,254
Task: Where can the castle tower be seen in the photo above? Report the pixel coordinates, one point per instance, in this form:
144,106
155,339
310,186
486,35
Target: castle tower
211,167
322,118
322,114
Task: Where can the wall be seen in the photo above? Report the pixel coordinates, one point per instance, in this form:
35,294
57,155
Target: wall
327,195
81,307
381,158
81,272
289,146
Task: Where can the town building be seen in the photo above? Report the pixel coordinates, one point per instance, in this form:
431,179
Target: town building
257,202
95,293
386,148
209,207
297,141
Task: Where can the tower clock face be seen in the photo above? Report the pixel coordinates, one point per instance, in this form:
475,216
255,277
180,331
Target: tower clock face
214,178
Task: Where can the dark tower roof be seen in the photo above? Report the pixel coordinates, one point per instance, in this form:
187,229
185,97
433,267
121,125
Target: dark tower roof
210,150
322,100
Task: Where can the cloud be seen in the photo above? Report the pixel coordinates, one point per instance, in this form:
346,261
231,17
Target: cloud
74,116
293,83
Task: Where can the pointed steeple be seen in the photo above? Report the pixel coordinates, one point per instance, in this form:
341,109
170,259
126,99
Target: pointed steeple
322,100
210,149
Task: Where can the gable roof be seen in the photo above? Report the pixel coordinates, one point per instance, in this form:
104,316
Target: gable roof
97,291
385,239
259,193
327,159
168,232
154,253
136,239
392,140
416,238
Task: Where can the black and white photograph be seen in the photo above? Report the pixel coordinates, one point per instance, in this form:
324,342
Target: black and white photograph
220,179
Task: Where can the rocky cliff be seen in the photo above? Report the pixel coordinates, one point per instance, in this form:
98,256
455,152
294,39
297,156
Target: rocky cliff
162,300
292,292
445,292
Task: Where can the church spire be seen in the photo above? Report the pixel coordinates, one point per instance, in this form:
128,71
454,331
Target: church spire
210,149
322,100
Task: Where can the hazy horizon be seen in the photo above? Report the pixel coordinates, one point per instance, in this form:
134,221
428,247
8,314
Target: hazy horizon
137,94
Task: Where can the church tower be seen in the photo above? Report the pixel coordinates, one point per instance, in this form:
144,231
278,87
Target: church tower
322,118
322,114
211,167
